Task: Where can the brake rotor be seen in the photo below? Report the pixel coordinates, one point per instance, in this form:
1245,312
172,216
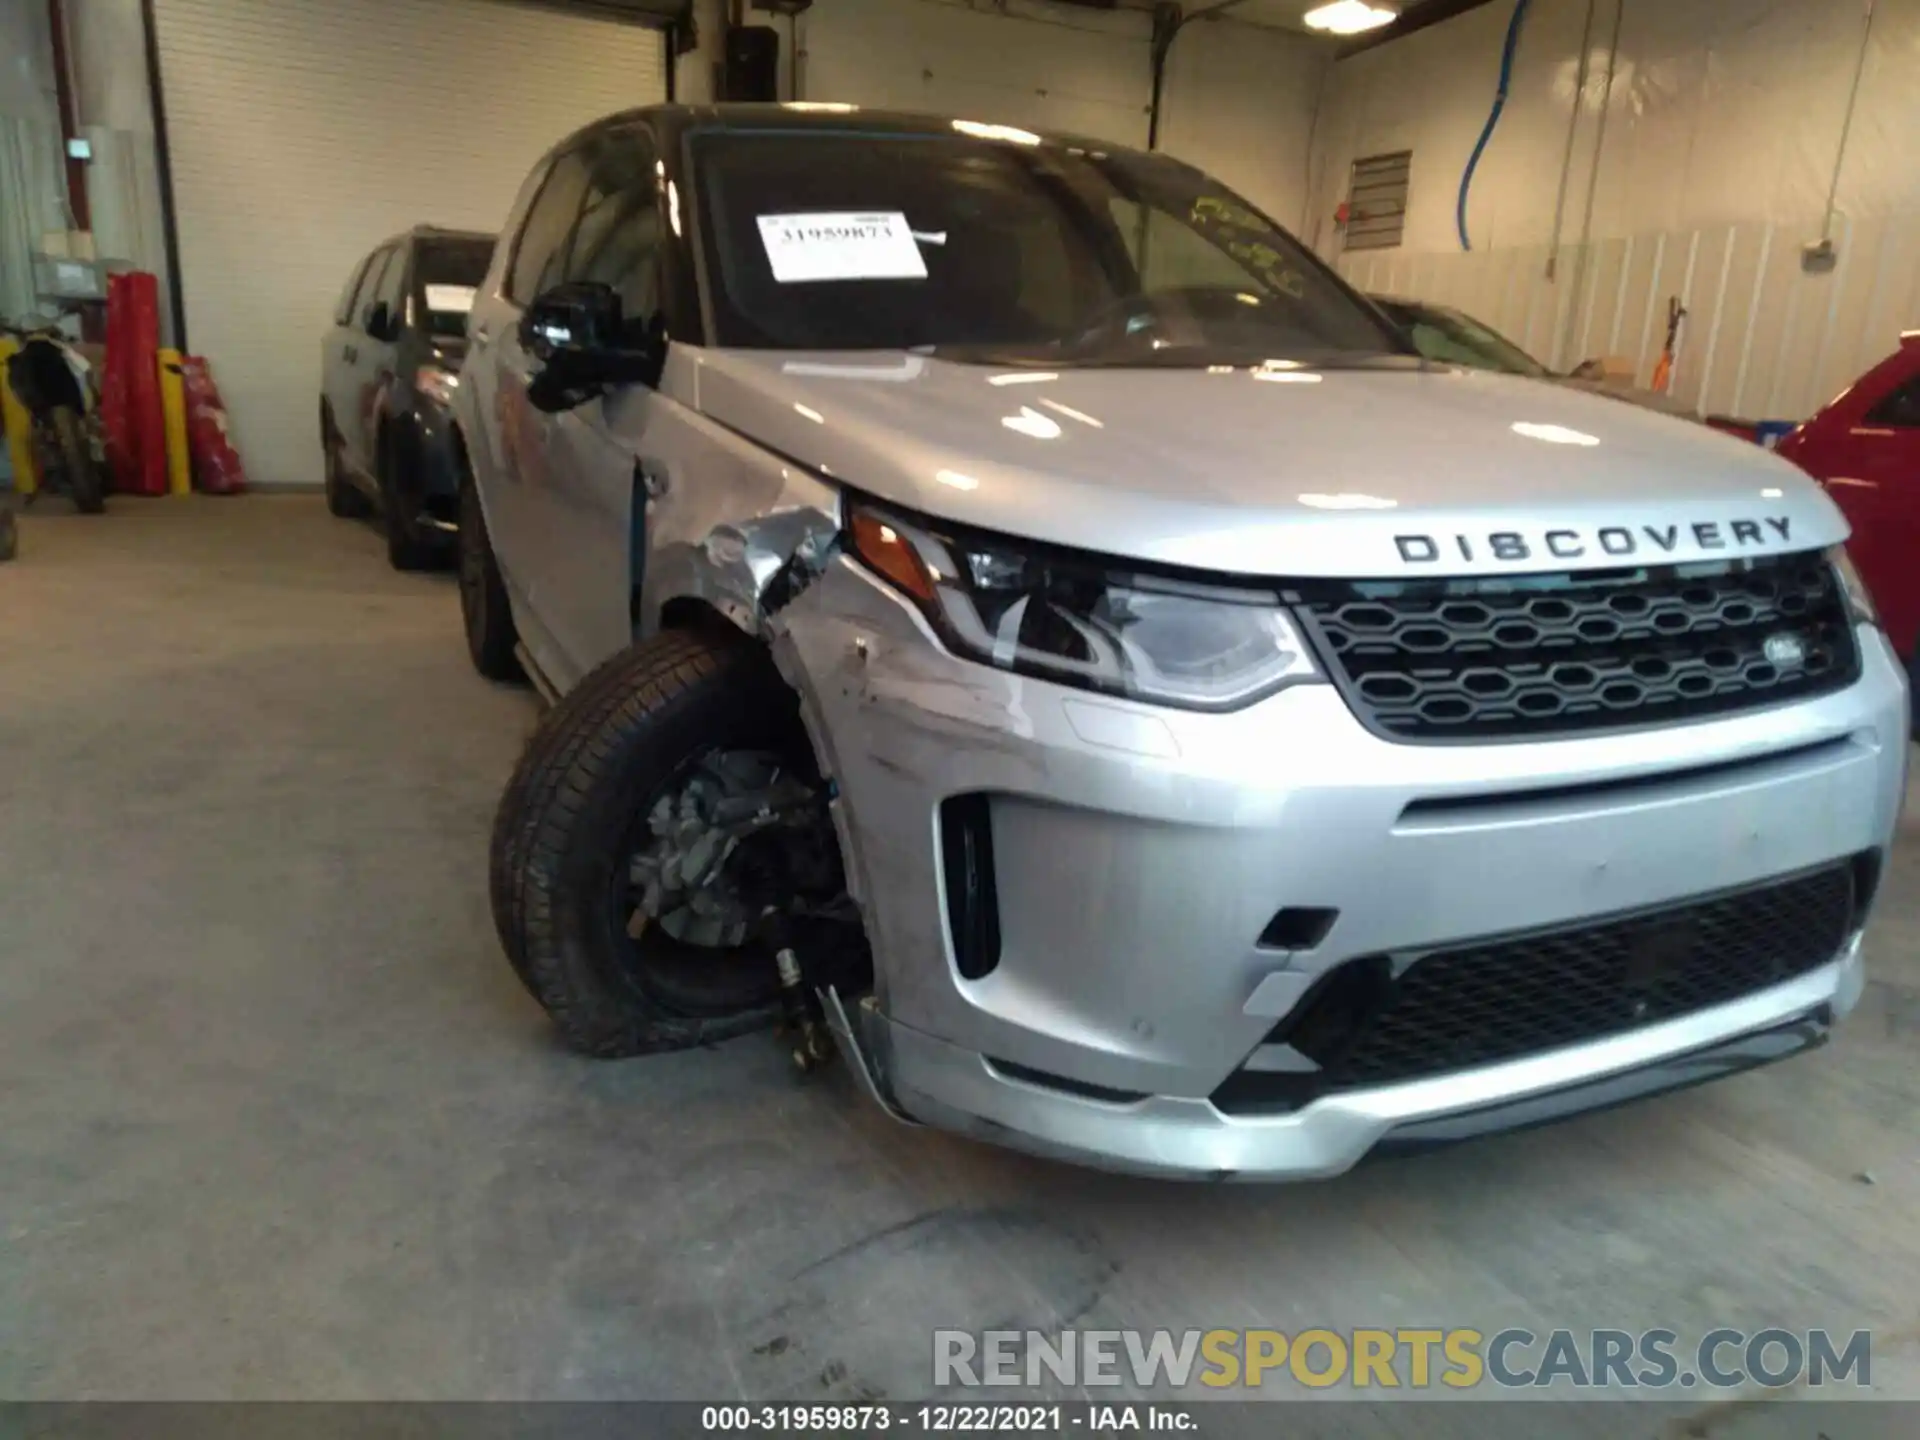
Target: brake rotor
692,878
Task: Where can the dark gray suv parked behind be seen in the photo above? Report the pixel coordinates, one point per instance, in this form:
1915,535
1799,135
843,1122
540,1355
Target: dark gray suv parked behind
389,368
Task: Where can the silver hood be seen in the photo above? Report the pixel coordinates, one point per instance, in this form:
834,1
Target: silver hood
1301,472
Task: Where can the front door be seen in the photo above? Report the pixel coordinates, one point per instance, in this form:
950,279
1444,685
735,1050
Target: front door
382,313
510,463
595,475
341,349
360,360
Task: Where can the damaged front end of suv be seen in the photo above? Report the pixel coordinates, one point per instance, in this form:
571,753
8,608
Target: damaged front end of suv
1016,620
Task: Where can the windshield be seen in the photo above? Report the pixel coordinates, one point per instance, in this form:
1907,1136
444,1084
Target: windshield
1451,338
449,274
1003,252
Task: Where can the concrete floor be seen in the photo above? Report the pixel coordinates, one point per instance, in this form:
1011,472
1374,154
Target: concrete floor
276,1120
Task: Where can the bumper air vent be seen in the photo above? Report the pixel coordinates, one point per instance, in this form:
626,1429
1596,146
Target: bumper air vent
973,904
1381,1020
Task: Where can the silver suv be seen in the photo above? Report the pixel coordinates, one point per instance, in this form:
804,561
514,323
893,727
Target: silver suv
1016,617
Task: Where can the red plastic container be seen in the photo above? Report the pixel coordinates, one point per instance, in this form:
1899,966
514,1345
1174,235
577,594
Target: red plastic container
216,464
130,387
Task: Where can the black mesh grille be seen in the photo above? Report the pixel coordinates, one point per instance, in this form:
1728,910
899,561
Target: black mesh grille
1507,657
1480,1004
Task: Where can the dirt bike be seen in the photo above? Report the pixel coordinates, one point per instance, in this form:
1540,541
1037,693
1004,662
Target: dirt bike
53,382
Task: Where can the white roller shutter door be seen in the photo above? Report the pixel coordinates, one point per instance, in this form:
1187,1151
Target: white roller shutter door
302,132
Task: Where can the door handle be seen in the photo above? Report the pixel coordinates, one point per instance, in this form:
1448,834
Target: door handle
350,354
481,337
653,480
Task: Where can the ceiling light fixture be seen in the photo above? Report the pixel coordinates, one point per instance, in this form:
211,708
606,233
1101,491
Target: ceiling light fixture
1350,17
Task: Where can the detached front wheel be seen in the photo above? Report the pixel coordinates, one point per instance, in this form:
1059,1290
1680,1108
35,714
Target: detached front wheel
657,808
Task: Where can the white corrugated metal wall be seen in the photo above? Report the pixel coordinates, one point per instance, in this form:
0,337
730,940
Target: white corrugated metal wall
32,187
1763,338
1721,128
302,132
1239,98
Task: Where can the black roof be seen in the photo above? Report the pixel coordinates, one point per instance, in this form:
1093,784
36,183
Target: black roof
814,115
818,116
446,232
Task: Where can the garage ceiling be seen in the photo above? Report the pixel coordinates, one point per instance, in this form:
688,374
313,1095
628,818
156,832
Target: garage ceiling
1287,14
1282,13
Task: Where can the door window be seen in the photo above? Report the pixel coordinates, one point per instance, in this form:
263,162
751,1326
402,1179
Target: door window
1900,410
371,283
343,308
393,281
540,249
616,241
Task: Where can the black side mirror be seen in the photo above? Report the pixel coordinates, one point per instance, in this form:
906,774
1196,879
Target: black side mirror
577,334
374,320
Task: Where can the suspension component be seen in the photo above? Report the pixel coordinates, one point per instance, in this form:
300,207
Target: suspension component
799,1004
813,1046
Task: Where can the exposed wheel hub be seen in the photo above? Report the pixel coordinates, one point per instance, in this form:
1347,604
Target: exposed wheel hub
738,831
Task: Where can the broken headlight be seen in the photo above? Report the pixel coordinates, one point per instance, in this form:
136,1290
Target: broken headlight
1077,622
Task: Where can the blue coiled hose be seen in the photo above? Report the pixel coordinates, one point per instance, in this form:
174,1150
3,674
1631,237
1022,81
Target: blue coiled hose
1493,118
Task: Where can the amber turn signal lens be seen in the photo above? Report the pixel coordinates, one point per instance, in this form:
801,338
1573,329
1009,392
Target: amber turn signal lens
890,553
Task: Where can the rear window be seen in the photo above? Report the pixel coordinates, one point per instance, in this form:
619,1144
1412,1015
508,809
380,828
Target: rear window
448,276
1900,410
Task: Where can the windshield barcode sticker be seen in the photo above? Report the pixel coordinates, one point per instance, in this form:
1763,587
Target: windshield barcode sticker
841,245
449,299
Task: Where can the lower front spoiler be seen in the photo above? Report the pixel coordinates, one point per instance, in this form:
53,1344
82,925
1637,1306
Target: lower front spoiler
1697,1067
918,1076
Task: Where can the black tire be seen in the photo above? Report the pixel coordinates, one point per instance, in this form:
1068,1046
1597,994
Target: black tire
503,863
488,618
572,816
343,496
84,480
407,548
549,747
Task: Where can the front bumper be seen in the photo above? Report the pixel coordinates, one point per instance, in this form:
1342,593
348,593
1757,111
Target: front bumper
1140,853
1182,1137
